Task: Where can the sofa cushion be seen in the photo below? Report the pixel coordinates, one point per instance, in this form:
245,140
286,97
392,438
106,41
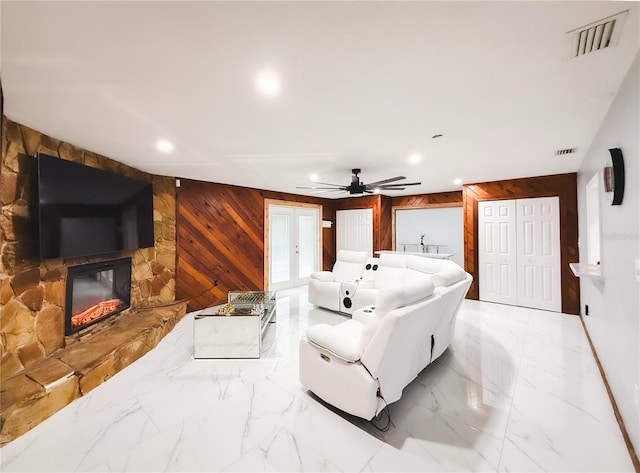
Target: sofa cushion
391,271
393,260
349,256
413,275
447,277
429,265
323,276
370,269
342,340
349,265
400,295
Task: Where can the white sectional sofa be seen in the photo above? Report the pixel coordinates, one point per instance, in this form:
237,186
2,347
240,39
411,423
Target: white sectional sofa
364,363
348,293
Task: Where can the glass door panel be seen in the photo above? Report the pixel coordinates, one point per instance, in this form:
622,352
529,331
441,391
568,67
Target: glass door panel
280,248
307,245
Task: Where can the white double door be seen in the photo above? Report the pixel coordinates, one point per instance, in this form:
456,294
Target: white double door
293,245
354,230
519,252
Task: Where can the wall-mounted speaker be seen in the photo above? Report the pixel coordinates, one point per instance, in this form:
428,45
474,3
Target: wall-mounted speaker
614,176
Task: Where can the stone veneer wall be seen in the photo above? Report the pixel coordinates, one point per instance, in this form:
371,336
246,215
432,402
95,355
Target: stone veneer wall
32,292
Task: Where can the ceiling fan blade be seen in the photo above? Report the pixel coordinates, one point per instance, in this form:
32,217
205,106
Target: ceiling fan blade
399,184
326,191
384,181
321,188
327,184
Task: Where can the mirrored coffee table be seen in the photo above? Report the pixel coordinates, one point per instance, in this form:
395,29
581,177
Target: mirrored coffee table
235,329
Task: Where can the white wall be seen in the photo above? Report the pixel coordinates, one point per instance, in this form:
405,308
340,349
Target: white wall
440,226
614,303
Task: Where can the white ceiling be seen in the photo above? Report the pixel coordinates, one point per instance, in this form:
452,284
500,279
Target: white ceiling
364,84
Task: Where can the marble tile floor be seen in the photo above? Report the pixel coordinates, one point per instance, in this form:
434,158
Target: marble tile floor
518,390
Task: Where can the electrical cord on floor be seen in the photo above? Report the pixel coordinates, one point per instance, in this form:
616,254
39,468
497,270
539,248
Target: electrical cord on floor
385,410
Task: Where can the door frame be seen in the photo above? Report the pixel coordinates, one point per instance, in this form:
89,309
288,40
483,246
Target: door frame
286,203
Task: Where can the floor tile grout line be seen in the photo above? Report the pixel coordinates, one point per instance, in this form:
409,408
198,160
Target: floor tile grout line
515,387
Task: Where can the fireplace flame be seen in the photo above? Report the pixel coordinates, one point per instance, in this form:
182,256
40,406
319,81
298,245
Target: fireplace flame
101,309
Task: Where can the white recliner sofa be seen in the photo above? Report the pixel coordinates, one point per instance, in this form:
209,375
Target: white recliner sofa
324,286
352,293
363,364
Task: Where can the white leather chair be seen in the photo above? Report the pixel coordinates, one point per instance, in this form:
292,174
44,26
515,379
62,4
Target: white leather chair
324,286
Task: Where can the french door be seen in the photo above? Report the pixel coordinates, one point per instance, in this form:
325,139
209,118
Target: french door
294,251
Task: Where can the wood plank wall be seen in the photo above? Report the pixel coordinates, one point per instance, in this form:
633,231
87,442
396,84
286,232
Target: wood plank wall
440,199
386,223
562,185
220,237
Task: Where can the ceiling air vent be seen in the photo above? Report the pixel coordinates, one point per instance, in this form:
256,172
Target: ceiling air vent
596,36
560,152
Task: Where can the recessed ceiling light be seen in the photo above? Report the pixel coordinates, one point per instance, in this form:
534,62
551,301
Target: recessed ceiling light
414,158
457,182
376,190
268,83
164,146
313,178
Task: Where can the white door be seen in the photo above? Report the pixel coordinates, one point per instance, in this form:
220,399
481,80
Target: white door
354,230
497,256
538,246
294,251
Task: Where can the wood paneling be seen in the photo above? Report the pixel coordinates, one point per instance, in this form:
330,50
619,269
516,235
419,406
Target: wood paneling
425,201
221,238
562,185
386,223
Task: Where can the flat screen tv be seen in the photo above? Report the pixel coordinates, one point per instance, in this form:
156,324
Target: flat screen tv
85,211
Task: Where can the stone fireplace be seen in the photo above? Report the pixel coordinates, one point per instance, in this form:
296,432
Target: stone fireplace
43,367
95,292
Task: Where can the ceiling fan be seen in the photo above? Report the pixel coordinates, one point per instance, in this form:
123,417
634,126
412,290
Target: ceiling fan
358,187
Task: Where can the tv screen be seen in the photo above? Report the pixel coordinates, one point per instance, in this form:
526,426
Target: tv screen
85,211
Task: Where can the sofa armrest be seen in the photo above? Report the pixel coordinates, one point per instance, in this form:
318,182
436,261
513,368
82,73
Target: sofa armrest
323,276
342,344
366,284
